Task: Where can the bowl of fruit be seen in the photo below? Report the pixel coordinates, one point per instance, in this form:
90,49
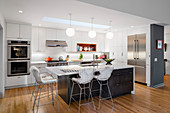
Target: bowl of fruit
108,61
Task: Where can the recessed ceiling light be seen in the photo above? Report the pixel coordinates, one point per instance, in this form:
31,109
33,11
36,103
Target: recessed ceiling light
131,26
20,11
39,25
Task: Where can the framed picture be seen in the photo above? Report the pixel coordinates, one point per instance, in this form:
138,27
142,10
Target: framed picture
159,44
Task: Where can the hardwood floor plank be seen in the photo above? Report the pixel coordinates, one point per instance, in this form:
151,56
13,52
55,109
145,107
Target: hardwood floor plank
145,100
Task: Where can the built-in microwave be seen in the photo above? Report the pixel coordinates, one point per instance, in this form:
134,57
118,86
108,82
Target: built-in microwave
18,67
18,50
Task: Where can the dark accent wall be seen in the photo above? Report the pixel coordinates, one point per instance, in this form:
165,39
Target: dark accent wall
157,67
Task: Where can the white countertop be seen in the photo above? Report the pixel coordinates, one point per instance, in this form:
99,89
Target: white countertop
58,69
43,62
38,62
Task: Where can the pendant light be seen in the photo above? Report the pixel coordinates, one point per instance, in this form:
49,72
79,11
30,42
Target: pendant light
92,33
109,34
70,31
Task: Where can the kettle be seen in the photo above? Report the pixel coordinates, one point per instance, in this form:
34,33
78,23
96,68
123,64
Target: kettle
60,58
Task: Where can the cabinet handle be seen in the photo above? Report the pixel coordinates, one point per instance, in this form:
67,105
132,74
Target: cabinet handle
18,77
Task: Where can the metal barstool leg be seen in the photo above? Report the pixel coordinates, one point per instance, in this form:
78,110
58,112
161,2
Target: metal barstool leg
48,90
84,92
39,97
33,92
51,85
110,94
35,96
100,95
80,98
91,97
71,94
57,98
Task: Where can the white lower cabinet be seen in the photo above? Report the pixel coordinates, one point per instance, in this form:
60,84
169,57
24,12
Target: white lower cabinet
25,80
17,81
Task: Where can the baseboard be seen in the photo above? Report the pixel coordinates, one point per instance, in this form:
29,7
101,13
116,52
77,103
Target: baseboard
158,85
19,86
1,94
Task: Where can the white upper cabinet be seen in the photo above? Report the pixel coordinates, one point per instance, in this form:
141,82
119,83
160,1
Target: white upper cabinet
12,30
25,31
51,34
18,31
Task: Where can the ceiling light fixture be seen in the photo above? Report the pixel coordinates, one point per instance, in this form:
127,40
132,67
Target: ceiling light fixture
70,31
92,33
20,11
110,34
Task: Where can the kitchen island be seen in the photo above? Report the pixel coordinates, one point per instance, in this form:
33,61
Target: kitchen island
121,81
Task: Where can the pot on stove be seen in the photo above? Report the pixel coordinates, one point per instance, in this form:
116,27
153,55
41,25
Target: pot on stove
60,58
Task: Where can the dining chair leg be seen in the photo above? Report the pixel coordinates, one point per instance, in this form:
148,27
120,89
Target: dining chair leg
57,98
91,97
71,94
110,94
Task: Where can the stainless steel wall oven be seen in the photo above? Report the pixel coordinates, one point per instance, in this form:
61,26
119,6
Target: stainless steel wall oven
18,50
18,57
18,67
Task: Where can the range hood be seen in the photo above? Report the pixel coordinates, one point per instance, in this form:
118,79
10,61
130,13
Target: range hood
56,43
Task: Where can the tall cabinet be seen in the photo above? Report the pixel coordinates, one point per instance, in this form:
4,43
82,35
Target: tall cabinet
18,31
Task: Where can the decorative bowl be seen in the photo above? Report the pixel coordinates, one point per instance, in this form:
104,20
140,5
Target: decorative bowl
108,61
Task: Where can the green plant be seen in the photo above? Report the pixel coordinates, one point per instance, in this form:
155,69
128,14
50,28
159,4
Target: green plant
81,56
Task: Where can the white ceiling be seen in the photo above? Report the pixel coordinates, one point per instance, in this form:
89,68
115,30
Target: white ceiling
157,10
35,10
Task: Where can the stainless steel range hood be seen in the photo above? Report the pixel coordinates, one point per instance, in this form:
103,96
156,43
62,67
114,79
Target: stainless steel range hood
56,43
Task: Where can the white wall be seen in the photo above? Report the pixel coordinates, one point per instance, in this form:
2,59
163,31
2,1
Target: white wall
167,53
40,51
118,46
2,58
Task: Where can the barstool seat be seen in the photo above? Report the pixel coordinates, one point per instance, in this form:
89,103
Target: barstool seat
81,80
47,78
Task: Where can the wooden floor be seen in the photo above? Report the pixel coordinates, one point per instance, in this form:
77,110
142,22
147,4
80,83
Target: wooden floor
145,100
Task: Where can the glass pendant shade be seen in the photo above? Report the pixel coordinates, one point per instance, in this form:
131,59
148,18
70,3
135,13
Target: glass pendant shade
92,34
109,35
70,32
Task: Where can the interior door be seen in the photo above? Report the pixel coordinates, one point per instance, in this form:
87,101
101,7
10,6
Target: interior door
131,49
141,50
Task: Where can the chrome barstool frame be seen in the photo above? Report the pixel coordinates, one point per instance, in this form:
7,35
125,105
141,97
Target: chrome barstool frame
82,88
37,95
100,91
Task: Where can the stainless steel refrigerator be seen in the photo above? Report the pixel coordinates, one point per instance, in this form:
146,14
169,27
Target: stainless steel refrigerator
137,55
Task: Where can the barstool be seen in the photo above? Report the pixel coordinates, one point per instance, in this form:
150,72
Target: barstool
104,75
42,80
86,75
44,75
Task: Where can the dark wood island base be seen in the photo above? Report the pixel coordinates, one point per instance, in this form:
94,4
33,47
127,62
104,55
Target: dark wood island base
121,82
